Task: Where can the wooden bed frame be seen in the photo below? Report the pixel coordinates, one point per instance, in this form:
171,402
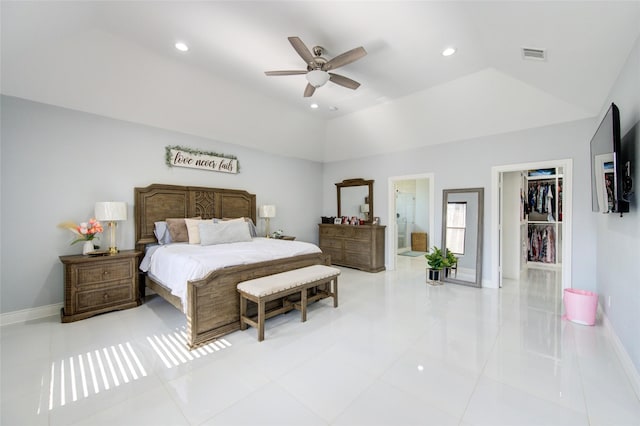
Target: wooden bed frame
213,303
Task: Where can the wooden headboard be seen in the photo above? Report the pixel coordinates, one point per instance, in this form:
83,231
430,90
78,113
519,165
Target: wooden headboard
158,202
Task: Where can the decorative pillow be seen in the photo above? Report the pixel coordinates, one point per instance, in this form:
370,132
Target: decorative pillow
178,229
161,232
252,227
193,230
223,232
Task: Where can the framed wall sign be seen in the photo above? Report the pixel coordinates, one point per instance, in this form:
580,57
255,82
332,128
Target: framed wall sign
177,156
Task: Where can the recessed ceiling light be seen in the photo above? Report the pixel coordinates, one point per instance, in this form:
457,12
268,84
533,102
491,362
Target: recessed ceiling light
181,46
448,51
314,106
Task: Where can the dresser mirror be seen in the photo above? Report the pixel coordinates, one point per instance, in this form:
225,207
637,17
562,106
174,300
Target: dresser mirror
462,222
355,198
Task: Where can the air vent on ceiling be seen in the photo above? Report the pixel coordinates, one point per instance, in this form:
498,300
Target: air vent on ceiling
534,54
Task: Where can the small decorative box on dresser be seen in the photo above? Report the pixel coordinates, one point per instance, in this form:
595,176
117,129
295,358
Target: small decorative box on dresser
93,285
360,247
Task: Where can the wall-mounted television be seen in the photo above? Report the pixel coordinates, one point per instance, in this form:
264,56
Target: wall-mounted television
608,187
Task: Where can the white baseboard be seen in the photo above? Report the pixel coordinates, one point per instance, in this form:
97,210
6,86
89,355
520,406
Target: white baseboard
623,356
30,314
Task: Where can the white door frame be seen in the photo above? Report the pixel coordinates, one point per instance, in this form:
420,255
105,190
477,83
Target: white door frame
567,214
391,214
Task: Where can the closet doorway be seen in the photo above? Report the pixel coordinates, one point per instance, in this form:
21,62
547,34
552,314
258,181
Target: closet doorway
411,211
521,215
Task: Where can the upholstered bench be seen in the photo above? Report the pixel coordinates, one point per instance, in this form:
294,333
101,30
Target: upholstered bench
279,286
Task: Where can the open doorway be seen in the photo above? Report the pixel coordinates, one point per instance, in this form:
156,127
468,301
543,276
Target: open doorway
513,230
411,216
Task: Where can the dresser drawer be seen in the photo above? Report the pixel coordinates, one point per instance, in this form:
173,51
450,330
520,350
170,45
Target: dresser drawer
361,234
106,271
330,243
336,254
342,231
356,259
357,246
89,300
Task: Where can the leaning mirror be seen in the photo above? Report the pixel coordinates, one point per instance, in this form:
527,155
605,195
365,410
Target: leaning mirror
355,198
462,218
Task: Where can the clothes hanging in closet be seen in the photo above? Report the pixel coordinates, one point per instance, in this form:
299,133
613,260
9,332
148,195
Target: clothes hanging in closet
542,243
540,198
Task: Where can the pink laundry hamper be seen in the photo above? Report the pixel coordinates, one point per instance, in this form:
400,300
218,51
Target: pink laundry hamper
580,306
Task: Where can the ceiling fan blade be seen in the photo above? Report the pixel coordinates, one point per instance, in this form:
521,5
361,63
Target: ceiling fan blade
309,90
343,81
292,72
302,50
345,58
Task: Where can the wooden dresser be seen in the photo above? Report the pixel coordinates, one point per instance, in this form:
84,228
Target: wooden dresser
93,285
360,247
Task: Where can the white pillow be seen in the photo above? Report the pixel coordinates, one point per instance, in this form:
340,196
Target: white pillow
223,232
193,230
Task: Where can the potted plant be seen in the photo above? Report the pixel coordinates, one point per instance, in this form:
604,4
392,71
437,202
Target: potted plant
451,261
436,262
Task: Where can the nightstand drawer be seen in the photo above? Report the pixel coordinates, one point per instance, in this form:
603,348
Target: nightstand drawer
103,297
107,271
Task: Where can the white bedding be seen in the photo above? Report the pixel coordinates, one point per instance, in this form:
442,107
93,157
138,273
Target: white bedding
172,265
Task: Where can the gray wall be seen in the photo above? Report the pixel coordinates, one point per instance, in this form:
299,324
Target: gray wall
56,163
618,238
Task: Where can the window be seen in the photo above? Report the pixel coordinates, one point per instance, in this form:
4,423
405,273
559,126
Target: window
456,226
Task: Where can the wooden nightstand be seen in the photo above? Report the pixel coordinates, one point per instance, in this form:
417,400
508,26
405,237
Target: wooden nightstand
93,285
287,237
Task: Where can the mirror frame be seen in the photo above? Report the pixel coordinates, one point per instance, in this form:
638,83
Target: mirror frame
357,182
445,197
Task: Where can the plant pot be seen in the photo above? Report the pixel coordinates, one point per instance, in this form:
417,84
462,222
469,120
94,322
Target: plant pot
450,272
433,275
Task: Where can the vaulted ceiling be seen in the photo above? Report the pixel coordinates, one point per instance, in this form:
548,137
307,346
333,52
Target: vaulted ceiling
118,59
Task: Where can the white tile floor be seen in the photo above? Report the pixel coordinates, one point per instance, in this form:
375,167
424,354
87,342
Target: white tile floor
395,352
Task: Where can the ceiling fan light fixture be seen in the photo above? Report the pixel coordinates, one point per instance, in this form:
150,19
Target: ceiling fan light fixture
181,46
448,51
317,78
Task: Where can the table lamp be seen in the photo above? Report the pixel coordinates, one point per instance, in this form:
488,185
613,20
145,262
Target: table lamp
111,212
267,212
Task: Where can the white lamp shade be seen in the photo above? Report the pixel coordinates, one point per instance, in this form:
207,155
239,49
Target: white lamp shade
111,210
268,211
317,78
364,208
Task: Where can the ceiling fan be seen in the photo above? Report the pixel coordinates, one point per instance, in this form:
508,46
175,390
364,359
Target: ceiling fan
317,72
